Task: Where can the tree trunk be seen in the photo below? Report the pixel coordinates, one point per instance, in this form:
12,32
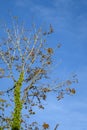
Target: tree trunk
16,122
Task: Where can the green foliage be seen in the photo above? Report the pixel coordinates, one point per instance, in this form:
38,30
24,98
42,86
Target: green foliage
16,124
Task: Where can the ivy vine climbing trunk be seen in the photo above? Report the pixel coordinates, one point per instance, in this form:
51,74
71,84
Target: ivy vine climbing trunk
16,123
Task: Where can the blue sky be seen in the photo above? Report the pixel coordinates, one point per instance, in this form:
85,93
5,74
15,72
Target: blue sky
69,19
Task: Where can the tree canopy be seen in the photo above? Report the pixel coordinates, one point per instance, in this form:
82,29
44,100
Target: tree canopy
25,58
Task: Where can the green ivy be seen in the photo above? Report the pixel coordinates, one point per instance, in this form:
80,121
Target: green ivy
16,123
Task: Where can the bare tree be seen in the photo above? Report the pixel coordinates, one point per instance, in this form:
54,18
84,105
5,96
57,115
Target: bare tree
26,58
